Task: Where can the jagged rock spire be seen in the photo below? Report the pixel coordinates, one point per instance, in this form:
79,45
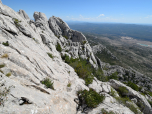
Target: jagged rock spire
23,14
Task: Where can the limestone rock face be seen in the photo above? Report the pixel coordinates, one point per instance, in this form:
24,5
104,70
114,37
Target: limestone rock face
40,17
96,85
76,43
23,14
27,62
28,55
111,106
59,27
134,94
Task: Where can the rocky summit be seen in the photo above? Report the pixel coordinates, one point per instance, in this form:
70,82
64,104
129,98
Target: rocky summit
48,68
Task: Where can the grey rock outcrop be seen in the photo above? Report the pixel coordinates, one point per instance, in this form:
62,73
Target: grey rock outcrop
133,94
25,46
77,43
23,14
28,64
100,49
59,27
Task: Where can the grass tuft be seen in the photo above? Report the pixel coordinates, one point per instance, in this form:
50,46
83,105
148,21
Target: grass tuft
17,22
58,47
50,55
69,85
8,74
84,42
106,112
65,37
2,65
4,56
5,43
48,83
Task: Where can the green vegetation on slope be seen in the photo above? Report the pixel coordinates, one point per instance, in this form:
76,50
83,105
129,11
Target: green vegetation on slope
91,97
84,69
128,54
48,83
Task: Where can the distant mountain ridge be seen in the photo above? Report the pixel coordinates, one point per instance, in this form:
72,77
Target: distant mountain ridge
140,32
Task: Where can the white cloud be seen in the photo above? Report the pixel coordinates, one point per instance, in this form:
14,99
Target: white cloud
93,19
101,15
149,16
81,16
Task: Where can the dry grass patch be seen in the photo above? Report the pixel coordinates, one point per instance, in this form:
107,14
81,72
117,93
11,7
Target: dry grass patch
4,55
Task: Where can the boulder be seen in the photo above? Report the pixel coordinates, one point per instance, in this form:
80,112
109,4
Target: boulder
96,85
106,87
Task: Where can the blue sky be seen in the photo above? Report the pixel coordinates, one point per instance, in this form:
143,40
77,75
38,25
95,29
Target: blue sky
119,11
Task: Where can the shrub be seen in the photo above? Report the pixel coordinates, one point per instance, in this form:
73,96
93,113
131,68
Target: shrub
69,60
84,42
2,65
150,102
140,105
123,100
4,56
89,79
8,74
113,76
91,98
150,93
122,91
133,108
133,86
5,43
58,47
100,75
65,37
69,85
50,55
48,83
113,93
81,67
84,70
66,50
66,58
16,21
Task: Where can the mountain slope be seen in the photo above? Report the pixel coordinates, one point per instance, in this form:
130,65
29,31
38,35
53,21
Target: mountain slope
35,79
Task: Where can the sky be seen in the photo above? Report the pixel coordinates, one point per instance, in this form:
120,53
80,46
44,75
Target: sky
117,11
